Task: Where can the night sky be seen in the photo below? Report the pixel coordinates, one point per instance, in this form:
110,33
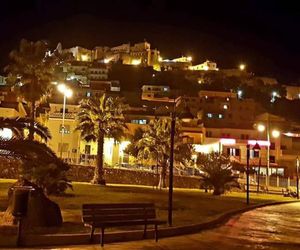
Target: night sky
263,34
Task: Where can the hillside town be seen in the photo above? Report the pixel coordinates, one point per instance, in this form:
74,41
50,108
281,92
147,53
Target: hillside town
149,125
223,121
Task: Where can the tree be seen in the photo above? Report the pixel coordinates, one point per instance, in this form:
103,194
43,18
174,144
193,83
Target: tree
101,117
155,145
30,74
131,149
40,165
216,172
20,124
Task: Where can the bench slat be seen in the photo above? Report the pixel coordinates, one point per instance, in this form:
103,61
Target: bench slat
117,211
127,223
118,217
117,205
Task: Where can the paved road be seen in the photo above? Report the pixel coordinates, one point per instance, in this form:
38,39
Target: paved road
275,227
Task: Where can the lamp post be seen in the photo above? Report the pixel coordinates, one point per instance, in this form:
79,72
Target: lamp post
297,172
275,134
170,204
247,174
67,92
186,117
258,174
256,147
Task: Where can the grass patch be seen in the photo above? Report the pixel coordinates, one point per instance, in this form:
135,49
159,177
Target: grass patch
190,205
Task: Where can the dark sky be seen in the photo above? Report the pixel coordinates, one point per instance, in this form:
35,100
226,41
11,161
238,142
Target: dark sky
263,34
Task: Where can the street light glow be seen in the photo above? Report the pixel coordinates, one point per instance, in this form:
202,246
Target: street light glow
6,133
189,58
136,62
261,127
240,93
68,93
106,60
242,66
275,133
61,88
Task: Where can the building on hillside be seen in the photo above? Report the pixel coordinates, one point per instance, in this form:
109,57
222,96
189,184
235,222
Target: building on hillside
206,66
155,92
12,109
181,63
232,139
81,54
292,92
2,80
85,72
137,54
69,144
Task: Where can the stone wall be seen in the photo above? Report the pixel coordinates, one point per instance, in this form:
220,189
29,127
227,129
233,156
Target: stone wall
9,170
126,176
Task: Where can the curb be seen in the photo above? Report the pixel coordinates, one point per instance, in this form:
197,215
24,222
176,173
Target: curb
80,239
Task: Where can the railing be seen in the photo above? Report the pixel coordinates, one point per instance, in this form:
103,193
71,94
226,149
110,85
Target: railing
274,181
59,115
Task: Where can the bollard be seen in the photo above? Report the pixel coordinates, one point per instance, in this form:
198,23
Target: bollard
19,207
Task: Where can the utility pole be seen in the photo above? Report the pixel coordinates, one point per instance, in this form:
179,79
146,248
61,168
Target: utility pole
297,171
247,174
170,207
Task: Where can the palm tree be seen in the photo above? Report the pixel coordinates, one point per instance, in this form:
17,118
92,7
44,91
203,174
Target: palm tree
30,74
101,117
216,172
155,145
131,149
20,124
40,165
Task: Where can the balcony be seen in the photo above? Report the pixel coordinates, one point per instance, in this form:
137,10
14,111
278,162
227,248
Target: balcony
58,115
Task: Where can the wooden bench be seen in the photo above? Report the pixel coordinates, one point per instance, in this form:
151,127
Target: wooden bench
119,214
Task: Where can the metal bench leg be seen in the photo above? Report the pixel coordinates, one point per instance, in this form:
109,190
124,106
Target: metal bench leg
102,236
156,233
145,231
92,234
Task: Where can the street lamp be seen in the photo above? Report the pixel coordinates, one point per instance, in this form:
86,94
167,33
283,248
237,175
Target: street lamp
274,95
256,147
185,116
275,134
242,67
67,92
297,172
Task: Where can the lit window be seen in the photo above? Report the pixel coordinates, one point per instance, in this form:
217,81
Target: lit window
233,151
64,129
88,94
142,122
220,116
209,115
225,106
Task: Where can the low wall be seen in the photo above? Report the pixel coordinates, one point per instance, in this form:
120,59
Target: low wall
127,176
80,173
